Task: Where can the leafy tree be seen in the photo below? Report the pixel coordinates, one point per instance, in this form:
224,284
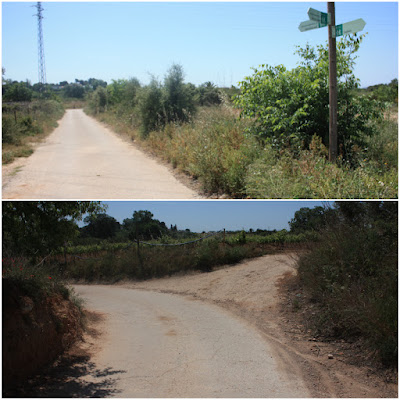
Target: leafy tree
208,94
101,226
98,100
131,89
74,90
289,107
150,107
383,92
144,226
17,91
115,91
178,101
34,229
95,83
307,219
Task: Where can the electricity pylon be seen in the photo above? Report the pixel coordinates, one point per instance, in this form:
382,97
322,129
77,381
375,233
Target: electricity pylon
42,68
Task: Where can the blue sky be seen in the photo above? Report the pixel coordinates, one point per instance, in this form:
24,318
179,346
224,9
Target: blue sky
199,216
217,42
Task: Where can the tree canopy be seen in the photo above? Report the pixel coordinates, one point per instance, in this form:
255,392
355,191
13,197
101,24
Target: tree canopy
36,228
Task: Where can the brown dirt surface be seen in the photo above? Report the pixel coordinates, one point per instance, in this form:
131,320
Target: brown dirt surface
35,333
259,290
59,380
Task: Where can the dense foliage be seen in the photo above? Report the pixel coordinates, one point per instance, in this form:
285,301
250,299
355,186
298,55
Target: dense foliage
352,272
151,107
34,229
289,107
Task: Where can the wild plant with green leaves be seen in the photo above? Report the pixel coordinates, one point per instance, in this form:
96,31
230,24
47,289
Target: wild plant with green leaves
289,107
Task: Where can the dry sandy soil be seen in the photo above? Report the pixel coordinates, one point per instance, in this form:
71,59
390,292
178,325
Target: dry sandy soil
253,291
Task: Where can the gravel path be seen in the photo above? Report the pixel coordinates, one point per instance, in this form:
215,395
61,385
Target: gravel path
82,159
163,345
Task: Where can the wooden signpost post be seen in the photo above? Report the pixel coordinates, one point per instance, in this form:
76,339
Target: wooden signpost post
319,19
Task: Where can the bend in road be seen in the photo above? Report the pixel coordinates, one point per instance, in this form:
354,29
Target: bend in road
82,159
163,345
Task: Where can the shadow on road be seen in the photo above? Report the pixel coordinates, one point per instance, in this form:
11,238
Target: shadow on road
73,376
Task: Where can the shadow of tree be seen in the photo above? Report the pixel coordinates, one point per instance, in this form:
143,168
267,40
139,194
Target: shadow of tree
73,376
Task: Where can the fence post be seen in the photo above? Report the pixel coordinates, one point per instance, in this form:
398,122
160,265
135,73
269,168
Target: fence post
138,252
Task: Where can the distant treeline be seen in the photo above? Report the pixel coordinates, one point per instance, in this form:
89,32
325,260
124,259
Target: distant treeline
383,92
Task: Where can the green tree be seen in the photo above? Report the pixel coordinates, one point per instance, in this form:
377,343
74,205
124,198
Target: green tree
289,107
144,226
208,94
150,107
34,229
74,90
178,101
17,91
98,100
307,219
101,226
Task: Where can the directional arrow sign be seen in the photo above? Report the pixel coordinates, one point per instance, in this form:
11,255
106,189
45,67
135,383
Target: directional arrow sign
349,27
308,25
318,16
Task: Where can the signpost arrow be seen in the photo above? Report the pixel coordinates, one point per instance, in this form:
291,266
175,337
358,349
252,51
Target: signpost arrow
308,25
319,19
318,16
349,27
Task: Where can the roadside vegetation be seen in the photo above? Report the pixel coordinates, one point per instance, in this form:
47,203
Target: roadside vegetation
24,123
269,137
30,112
349,278
347,273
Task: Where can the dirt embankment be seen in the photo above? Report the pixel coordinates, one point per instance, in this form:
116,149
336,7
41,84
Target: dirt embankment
35,333
257,290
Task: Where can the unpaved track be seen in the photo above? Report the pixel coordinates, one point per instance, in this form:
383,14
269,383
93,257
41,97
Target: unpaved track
82,159
163,345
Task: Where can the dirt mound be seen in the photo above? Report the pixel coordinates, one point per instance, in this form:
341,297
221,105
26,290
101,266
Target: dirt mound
256,291
35,332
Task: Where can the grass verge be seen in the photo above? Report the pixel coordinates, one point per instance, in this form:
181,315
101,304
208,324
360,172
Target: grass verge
25,124
215,149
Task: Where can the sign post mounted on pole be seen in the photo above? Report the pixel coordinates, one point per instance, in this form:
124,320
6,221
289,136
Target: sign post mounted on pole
333,142
319,19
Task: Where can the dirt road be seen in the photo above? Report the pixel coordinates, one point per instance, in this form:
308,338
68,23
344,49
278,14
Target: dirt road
163,345
82,159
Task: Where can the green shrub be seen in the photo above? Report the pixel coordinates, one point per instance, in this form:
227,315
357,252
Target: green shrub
11,130
352,273
150,108
289,107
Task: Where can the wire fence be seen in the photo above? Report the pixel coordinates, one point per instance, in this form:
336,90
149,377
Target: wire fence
140,242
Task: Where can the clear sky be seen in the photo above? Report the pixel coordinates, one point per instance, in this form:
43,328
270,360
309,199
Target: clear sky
217,42
199,216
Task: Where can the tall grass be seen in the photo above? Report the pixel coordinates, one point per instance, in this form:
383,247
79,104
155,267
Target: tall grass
216,149
311,175
25,123
352,274
213,149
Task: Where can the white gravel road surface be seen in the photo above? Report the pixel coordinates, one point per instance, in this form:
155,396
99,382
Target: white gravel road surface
82,159
164,345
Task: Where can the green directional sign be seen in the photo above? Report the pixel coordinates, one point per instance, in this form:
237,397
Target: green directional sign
308,25
318,16
349,27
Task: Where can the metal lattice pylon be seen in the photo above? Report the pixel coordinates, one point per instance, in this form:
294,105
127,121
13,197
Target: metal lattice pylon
42,68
